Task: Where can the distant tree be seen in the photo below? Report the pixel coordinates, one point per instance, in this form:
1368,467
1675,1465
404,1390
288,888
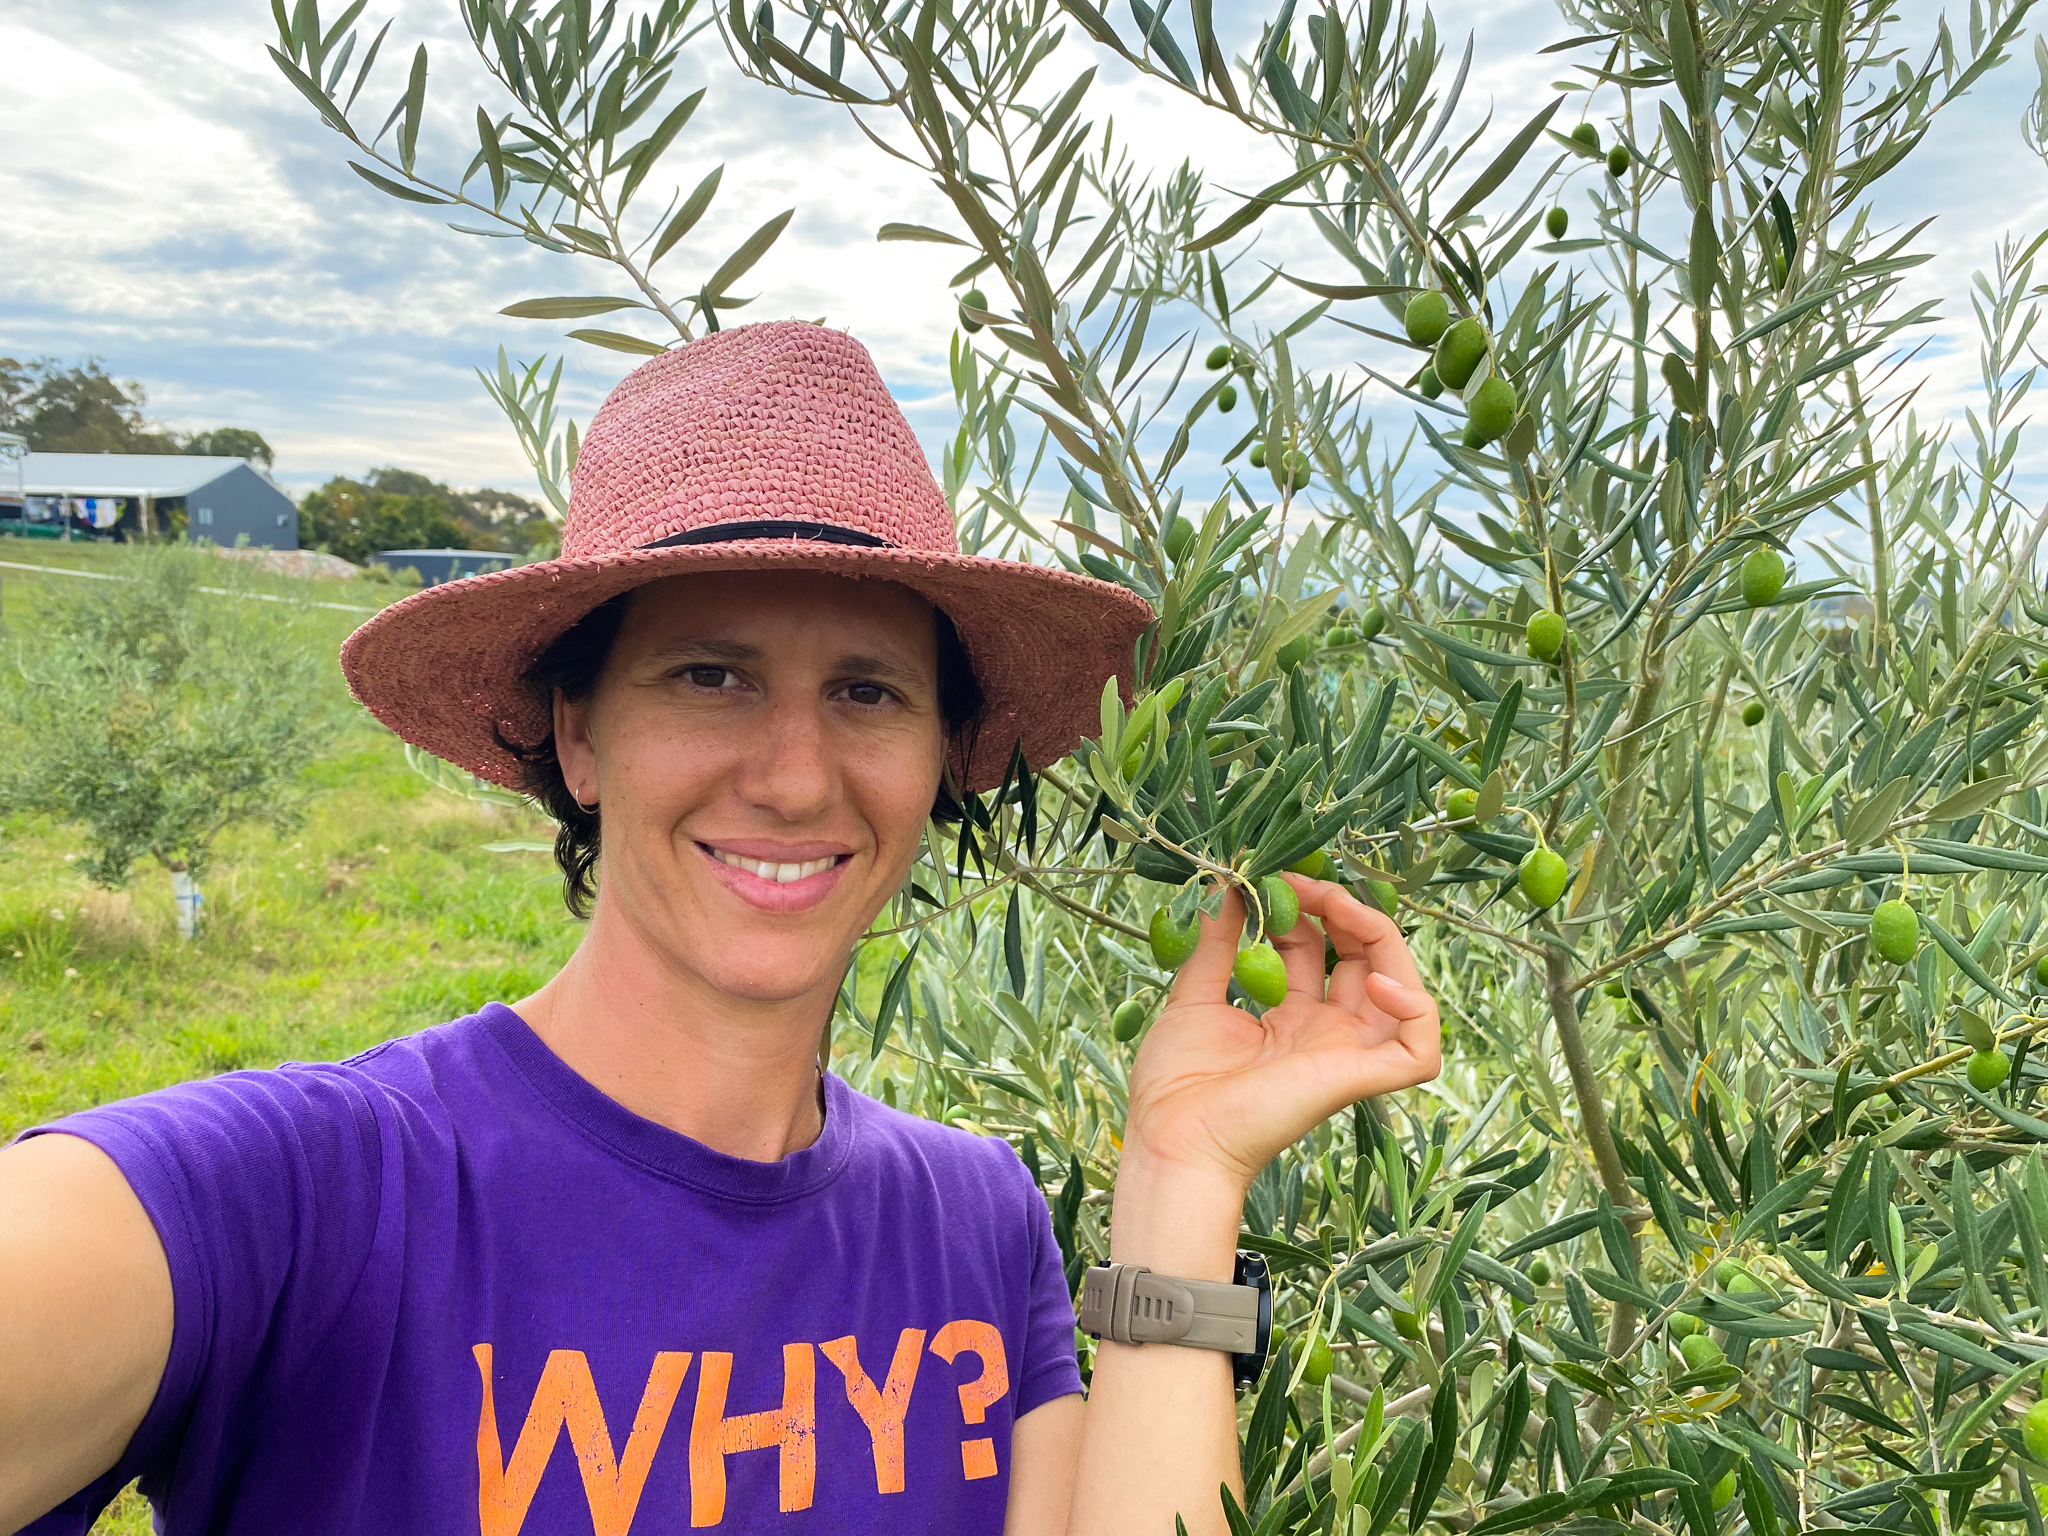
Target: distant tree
353,520
233,443
392,508
83,409
76,410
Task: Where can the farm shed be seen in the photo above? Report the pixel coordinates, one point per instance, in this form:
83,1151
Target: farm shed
121,495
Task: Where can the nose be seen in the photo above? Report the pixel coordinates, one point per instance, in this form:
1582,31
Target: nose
790,771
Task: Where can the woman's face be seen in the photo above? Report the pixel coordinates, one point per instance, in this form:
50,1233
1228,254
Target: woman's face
765,747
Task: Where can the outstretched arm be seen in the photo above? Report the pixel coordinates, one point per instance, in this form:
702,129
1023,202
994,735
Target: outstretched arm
85,1321
1215,1094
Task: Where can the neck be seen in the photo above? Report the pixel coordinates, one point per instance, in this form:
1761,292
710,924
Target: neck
738,1075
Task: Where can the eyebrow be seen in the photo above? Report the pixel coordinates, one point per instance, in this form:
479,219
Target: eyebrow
708,650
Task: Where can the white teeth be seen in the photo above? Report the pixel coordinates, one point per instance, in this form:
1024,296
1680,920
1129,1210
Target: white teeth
781,874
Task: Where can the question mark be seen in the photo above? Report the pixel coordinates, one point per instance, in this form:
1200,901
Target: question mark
978,1456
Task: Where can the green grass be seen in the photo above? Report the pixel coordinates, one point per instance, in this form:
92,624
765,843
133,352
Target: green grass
381,915
108,559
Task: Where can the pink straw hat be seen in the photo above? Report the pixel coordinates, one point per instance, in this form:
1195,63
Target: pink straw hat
766,447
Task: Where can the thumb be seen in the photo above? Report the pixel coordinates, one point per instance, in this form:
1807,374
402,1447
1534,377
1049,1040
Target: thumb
1206,976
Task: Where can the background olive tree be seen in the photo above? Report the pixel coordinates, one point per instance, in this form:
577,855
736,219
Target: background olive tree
1729,1212
159,709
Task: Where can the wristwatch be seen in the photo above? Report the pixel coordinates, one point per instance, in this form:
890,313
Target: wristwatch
1128,1304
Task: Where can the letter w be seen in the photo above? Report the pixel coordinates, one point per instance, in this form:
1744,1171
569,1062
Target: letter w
567,1398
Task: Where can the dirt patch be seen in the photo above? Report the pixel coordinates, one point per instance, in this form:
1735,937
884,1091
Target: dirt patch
108,922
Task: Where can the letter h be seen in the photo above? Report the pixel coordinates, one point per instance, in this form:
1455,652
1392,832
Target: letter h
792,1429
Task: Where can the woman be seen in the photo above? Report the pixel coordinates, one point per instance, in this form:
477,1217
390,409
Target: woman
622,1256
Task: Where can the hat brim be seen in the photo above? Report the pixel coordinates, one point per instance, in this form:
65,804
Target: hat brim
445,668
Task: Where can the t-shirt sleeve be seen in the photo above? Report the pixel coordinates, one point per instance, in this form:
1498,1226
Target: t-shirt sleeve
263,1188
1051,1367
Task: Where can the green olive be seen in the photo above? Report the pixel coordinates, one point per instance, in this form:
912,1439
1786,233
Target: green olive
1492,408
1895,932
1700,1352
1128,1019
1294,472
1283,907
2034,1430
1317,866
1988,1069
1427,318
1763,576
1459,351
1542,874
1544,635
1172,946
1262,974
1316,1370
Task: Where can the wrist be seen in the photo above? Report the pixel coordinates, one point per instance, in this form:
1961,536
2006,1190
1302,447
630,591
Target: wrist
1174,1219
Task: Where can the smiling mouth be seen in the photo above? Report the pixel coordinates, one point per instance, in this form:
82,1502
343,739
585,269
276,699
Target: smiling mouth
780,874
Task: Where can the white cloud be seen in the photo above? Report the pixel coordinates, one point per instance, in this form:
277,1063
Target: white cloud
184,214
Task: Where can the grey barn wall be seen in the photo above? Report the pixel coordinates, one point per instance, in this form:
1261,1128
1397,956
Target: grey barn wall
241,503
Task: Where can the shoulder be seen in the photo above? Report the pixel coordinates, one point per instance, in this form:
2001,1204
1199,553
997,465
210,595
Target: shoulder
298,1118
947,1154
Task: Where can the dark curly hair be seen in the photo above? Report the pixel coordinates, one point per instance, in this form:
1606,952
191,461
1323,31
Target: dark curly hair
573,663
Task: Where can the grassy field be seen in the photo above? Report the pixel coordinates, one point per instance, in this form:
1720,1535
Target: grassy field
381,915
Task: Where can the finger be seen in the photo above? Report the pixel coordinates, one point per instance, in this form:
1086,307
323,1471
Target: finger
1206,976
1418,1027
1301,948
1359,932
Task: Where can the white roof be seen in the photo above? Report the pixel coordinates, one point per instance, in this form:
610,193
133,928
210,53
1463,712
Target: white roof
118,474
462,554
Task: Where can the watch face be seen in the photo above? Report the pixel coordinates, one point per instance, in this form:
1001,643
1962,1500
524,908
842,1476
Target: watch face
1251,1270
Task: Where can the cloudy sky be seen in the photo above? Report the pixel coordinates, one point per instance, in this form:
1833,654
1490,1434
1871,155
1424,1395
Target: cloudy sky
173,207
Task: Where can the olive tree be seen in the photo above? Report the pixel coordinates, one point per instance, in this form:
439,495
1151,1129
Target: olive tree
1729,1212
159,709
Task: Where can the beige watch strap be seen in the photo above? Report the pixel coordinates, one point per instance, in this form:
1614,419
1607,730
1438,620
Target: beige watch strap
1128,1304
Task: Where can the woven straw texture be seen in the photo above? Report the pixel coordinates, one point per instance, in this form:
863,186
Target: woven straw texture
787,422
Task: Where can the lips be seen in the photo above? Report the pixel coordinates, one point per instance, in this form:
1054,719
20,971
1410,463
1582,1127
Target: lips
778,880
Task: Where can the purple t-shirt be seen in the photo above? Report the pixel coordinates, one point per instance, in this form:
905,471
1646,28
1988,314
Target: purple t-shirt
449,1286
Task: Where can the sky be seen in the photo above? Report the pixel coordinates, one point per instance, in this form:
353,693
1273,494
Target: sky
170,205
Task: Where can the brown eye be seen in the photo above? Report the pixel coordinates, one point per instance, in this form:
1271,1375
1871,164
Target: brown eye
708,677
